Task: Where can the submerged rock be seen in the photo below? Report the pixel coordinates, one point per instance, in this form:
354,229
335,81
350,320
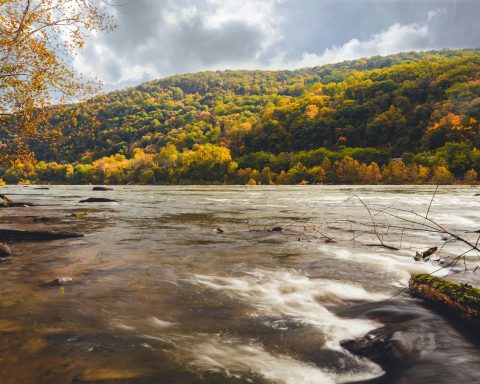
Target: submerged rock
102,189
98,200
461,301
58,282
5,250
41,218
23,235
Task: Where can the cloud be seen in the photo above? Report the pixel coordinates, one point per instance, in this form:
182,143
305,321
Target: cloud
395,39
159,38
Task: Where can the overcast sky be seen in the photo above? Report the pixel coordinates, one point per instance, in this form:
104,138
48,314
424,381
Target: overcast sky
159,38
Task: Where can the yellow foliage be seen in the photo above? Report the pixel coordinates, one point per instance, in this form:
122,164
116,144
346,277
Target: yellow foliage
311,111
37,38
471,176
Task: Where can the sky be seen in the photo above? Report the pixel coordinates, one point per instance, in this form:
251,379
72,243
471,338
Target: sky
160,38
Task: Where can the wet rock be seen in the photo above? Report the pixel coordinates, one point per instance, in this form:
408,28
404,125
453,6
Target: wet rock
5,250
102,189
41,218
23,235
41,188
77,215
97,200
7,203
58,282
383,346
276,229
218,230
460,301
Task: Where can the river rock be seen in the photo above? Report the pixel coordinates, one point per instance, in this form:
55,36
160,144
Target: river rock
23,235
97,200
41,218
58,282
381,346
276,229
102,189
7,203
5,250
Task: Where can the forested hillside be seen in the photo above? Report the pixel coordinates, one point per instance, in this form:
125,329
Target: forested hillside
335,123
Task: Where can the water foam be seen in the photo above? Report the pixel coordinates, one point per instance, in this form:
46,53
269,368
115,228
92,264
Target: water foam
398,268
295,296
235,360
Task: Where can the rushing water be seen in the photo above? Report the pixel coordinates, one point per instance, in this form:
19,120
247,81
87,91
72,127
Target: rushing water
159,296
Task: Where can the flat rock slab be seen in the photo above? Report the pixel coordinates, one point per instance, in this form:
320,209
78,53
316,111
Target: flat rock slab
16,205
24,235
102,189
98,200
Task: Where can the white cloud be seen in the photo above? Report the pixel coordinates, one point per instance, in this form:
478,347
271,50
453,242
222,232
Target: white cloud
397,38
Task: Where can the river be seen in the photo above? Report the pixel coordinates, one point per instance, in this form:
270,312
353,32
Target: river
160,296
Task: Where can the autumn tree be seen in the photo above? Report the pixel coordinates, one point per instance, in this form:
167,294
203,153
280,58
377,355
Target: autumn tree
441,175
347,170
38,39
471,176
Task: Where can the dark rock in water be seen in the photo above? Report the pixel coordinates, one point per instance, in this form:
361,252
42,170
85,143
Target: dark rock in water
41,218
276,229
7,203
383,346
5,250
21,235
102,189
98,200
218,230
58,282
41,188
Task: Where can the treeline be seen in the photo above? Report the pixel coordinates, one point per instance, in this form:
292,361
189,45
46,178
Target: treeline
407,102
421,107
211,164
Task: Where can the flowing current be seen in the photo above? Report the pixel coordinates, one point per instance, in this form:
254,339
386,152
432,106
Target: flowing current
161,295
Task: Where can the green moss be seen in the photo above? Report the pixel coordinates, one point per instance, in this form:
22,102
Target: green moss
462,293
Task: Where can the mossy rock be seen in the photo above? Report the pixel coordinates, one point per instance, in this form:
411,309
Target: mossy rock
458,300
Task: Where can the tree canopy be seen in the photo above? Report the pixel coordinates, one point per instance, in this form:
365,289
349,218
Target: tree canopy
37,41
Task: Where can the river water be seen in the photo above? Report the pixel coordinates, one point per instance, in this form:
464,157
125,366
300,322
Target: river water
160,296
